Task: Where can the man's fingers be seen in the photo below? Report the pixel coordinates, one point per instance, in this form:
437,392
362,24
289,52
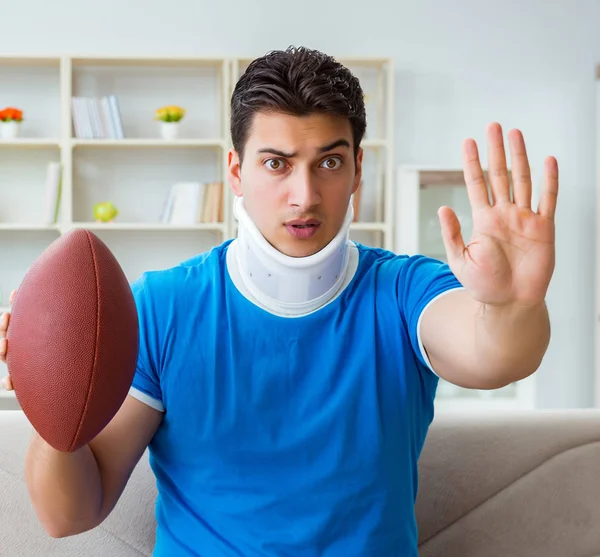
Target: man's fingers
3,342
477,190
451,234
4,318
12,297
7,383
521,171
549,195
498,170
3,346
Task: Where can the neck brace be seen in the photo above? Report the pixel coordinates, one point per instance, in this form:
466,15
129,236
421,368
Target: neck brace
293,284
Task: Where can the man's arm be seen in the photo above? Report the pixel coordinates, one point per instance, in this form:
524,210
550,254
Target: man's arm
497,329
480,346
74,492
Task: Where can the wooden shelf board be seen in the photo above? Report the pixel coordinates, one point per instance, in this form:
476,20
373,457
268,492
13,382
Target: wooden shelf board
32,227
374,143
136,142
27,227
17,61
368,226
145,227
362,61
30,142
146,61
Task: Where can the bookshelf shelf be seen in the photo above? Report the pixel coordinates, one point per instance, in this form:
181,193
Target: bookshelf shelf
211,143
369,226
149,61
30,143
28,61
97,227
374,144
27,227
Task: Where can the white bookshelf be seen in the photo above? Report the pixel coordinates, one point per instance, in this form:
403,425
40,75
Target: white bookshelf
137,171
421,190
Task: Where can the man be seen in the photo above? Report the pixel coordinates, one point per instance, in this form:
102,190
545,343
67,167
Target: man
286,379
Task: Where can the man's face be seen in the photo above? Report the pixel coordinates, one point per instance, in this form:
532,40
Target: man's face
297,177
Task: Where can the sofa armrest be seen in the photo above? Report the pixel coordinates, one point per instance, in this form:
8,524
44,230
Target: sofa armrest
511,484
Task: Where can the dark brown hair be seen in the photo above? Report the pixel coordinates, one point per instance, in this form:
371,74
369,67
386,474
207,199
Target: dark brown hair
297,81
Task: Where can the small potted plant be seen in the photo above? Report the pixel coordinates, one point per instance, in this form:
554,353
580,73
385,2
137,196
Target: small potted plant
170,118
10,121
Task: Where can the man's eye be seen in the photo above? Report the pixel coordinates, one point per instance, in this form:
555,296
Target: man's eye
332,163
274,164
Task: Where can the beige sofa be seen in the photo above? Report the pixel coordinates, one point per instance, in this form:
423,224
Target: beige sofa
492,485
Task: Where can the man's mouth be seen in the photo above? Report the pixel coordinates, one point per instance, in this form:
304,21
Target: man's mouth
302,229
303,223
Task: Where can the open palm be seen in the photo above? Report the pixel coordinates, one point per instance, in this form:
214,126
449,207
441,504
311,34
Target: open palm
510,256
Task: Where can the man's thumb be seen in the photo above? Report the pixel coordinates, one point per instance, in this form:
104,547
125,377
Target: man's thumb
451,235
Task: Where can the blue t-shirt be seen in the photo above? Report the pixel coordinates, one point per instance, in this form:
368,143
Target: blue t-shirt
287,436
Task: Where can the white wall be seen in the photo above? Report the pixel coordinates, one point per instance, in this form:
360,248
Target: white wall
525,64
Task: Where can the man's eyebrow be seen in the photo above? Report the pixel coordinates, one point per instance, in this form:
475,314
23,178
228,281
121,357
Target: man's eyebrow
324,149
337,143
277,152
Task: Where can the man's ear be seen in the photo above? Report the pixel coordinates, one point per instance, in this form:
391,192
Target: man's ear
358,172
235,172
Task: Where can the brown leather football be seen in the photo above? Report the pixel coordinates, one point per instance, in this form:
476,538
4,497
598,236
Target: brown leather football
72,340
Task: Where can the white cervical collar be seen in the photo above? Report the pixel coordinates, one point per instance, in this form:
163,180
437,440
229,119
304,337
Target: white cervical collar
293,284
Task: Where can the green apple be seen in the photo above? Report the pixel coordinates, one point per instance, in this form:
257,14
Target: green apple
105,212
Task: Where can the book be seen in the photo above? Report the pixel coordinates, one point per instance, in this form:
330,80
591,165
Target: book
53,191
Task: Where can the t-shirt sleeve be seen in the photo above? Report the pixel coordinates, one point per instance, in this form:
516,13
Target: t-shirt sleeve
146,381
422,280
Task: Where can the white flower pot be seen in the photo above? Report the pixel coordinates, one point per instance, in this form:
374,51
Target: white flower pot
9,130
169,130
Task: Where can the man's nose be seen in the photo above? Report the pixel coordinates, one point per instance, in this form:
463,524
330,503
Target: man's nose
304,191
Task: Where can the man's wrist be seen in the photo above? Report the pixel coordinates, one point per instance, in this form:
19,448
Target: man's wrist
512,336
513,311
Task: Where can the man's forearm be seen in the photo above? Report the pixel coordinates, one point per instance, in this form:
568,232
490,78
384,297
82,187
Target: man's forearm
65,488
510,341
481,346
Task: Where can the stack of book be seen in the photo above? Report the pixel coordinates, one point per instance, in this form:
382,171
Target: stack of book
97,118
191,203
